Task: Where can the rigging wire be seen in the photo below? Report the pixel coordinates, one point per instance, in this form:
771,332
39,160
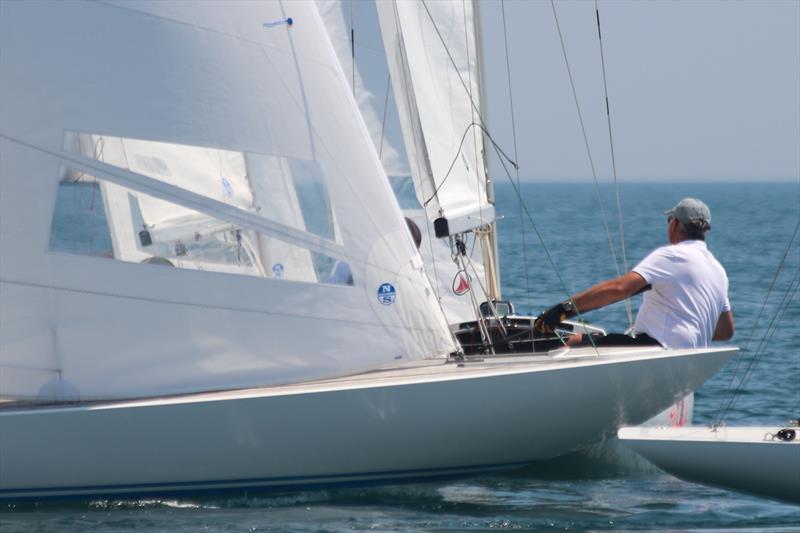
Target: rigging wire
353,48
603,214
499,150
547,253
516,156
488,300
503,157
483,327
750,366
613,163
770,331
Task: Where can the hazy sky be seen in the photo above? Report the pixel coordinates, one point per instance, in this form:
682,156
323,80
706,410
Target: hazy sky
699,90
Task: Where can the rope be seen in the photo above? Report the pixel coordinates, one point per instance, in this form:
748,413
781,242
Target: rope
755,326
516,157
458,258
499,150
486,298
544,246
586,144
613,163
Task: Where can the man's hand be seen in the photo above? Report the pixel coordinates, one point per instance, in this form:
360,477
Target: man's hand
550,319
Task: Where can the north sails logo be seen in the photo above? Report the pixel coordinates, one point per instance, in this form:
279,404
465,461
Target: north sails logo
387,294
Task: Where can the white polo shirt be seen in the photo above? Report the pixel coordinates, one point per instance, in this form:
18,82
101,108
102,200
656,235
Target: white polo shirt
690,292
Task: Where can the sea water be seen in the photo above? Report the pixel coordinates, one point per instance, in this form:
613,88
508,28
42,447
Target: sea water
751,227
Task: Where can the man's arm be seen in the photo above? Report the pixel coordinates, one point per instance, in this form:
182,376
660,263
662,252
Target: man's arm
602,294
608,292
725,328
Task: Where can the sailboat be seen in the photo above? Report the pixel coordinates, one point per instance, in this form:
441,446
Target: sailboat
207,285
759,460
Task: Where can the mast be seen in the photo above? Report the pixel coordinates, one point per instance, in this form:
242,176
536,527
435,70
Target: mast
488,235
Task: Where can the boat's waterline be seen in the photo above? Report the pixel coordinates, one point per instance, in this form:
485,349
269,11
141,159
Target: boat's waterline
414,423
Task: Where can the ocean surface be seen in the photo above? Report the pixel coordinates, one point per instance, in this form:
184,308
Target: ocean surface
752,225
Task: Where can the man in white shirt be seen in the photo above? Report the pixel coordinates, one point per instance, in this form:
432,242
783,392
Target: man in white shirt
686,304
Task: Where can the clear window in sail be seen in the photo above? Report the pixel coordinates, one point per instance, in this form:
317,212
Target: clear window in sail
282,189
99,218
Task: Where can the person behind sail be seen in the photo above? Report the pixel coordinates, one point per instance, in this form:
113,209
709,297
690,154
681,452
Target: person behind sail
686,304
416,234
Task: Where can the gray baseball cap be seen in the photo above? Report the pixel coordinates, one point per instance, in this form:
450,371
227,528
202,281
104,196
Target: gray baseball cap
691,211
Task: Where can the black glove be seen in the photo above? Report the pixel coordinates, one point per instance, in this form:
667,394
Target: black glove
547,321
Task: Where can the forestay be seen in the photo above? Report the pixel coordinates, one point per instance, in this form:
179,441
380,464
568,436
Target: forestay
190,202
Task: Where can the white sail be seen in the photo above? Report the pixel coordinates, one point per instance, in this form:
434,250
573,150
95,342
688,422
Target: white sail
365,93
367,75
256,94
445,275
432,52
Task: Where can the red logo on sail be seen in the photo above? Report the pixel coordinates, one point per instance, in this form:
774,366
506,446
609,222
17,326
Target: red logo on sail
461,283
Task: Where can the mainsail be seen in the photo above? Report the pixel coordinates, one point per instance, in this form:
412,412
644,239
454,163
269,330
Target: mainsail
211,142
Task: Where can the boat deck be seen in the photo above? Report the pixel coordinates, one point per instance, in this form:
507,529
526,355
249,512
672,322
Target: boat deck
732,434
415,372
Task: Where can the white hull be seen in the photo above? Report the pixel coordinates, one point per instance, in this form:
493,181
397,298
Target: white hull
428,421
745,459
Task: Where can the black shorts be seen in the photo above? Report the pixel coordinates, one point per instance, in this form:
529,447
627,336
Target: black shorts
617,339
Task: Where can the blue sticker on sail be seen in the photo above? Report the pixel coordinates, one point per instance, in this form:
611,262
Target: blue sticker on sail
387,294
227,188
277,270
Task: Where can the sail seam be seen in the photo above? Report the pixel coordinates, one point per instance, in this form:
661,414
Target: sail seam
282,313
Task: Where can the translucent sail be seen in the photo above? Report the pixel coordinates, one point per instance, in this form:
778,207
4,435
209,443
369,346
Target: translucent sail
452,288
230,233
364,82
433,58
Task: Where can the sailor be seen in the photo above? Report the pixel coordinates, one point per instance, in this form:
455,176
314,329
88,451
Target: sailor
686,301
